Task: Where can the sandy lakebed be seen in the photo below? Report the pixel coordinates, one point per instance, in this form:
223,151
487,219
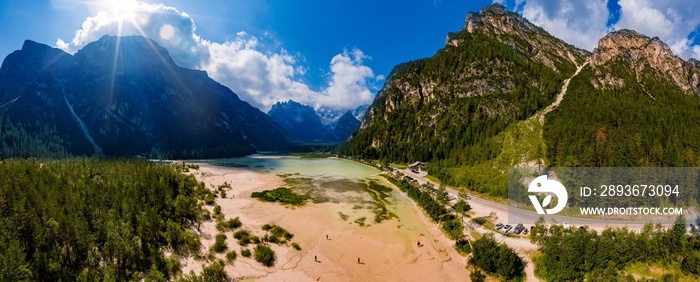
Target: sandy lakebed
387,250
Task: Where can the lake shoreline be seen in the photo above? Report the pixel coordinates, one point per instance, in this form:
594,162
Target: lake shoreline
387,250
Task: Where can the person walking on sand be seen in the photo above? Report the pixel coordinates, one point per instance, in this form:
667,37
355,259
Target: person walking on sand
327,237
358,260
315,258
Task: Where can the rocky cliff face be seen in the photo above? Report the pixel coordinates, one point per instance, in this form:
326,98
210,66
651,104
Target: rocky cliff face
126,96
497,70
642,53
695,62
477,107
347,124
299,121
514,30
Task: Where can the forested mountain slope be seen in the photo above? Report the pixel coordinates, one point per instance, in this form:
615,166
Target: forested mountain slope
123,96
477,107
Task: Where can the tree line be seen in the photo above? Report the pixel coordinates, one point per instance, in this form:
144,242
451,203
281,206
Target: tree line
580,254
89,219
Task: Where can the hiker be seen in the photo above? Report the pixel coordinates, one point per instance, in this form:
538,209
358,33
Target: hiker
327,237
358,259
315,258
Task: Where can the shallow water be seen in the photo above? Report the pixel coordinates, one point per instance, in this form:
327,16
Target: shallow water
327,180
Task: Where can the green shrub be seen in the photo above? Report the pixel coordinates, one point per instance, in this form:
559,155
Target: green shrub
497,258
296,246
220,245
230,224
231,257
265,255
243,237
691,263
245,252
241,233
453,228
210,199
205,215
477,276
282,195
463,247
212,273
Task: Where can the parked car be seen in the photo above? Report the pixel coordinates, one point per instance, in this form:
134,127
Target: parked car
507,228
518,228
498,226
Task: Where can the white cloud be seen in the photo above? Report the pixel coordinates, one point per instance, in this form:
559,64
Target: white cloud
348,81
583,23
672,21
172,29
580,23
258,74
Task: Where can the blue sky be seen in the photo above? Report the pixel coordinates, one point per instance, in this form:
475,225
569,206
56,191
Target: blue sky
322,53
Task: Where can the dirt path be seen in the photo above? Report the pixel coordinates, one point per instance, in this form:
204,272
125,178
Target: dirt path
561,94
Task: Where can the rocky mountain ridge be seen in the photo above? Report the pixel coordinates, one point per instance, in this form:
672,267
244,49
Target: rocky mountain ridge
641,52
486,102
514,30
305,124
126,96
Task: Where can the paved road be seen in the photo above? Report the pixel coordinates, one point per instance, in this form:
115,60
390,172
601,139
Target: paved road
513,215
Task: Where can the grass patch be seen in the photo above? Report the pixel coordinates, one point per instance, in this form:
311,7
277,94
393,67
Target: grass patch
281,195
433,179
379,194
657,271
398,166
361,221
311,155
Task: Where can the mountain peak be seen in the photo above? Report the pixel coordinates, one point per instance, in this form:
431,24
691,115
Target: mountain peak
126,96
642,52
33,45
630,43
497,16
298,120
131,51
529,39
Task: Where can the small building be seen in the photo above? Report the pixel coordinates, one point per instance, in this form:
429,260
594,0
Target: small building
416,167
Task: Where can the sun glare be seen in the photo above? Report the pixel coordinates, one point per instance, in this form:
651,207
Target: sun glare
118,6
